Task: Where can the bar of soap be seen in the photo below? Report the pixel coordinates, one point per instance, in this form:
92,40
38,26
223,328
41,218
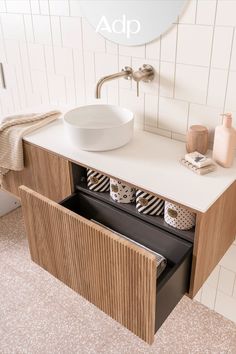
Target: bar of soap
200,171
198,160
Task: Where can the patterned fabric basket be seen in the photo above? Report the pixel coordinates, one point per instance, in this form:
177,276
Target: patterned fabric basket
120,192
97,182
179,217
149,204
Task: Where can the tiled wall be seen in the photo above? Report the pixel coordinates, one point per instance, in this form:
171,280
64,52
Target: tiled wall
52,55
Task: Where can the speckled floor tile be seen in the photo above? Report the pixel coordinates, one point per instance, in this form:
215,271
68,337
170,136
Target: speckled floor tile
40,315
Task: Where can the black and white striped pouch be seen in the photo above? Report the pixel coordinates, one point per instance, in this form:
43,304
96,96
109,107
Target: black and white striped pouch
149,204
97,182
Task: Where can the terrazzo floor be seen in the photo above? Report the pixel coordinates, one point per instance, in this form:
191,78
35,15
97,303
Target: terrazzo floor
40,315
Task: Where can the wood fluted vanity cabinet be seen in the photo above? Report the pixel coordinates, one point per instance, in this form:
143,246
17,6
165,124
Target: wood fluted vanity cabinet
44,172
113,273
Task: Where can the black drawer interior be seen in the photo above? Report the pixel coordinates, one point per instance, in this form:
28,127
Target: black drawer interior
174,281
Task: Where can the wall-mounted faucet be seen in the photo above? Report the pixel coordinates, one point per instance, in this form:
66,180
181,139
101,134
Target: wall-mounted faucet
126,72
146,74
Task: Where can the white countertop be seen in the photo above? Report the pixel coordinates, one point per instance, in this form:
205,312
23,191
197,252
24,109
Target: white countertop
149,161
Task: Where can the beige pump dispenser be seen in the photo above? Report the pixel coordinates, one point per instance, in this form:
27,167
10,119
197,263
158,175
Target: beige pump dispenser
224,142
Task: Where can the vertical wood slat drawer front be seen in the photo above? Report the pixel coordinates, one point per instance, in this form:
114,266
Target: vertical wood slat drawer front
45,172
112,273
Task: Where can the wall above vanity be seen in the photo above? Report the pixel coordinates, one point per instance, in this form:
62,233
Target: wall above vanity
51,54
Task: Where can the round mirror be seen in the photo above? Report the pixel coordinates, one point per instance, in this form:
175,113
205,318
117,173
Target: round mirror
132,22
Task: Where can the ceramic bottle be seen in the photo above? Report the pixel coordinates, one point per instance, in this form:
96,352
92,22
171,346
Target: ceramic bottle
224,142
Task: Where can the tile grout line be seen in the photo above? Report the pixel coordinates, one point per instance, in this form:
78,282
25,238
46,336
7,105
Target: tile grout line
228,72
211,54
27,50
83,59
159,85
176,61
217,288
196,11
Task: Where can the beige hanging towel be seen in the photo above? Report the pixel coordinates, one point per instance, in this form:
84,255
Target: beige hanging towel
12,131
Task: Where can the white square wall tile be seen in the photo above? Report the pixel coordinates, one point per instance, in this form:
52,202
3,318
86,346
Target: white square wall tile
28,28
34,6
167,77
56,30
71,32
18,6
13,54
36,55
13,27
226,281
49,59
173,115
112,95
79,76
226,306
111,48
189,12
153,50
229,259
231,90
129,100
191,83
93,41
75,9
59,8
206,12
194,45
57,91
2,6
40,86
234,292
151,110
233,55
208,296
204,115
222,47
226,10
89,69
198,295
42,29
44,7
136,51
213,278
217,88
63,61
168,44
106,64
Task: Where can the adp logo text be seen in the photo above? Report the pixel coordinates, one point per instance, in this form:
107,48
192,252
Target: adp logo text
119,26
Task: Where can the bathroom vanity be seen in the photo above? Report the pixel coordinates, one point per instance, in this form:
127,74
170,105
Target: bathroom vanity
116,275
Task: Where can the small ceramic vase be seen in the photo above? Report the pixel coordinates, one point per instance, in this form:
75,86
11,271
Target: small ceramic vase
149,204
179,217
97,182
120,192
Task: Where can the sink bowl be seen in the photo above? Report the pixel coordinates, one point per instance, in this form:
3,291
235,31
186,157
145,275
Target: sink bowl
99,127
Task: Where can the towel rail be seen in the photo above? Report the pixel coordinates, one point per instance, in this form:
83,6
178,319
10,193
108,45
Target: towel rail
2,76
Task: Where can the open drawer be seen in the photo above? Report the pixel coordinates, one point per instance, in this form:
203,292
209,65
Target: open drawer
116,275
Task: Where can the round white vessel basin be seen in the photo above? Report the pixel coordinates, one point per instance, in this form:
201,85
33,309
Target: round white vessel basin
99,127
